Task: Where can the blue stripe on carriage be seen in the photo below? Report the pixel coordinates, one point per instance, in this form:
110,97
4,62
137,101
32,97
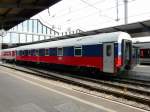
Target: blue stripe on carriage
33,52
117,49
87,50
41,52
68,51
53,51
92,50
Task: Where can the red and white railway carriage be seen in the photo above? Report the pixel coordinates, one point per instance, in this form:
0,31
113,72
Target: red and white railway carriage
108,52
8,54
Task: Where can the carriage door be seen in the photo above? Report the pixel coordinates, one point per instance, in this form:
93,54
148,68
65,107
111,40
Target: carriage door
108,57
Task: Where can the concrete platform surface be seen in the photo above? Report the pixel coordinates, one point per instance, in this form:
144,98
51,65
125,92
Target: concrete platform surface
140,72
19,92
142,68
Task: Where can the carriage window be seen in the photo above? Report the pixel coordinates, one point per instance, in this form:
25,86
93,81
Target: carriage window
78,51
32,52
59,51
108,50
23,53
18,53
29,52
37,52
46,52
142,53
26,52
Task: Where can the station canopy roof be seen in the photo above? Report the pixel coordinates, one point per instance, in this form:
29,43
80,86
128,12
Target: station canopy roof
13,12
132,28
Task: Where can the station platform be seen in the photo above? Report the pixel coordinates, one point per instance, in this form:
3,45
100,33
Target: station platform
141,72
21,92
142,68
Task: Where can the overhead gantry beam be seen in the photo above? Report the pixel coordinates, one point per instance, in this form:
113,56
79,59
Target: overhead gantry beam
9,16
23,6
13,19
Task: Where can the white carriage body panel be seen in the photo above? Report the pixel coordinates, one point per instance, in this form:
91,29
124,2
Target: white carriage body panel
79,41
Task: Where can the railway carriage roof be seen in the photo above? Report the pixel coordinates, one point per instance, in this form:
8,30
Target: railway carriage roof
10,49
86,40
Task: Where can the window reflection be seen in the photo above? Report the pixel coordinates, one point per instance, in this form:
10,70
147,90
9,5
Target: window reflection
35,26
35,37
44,29
29,38
22,38
39,28
6,39
47,37
41,37
14,38
30,26
20,27
48,31
25,26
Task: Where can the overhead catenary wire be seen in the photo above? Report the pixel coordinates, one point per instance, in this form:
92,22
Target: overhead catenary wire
84,17
109,21
90,4
133,16
78,10
104,10
96,9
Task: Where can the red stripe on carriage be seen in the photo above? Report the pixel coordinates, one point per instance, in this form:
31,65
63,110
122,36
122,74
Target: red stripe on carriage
118,61
96,62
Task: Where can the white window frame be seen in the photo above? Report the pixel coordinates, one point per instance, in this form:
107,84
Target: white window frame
58,52
36,52
29,52
77,47
46,52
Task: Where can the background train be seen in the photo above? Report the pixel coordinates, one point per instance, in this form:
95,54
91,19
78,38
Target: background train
145,56
143,43
108,52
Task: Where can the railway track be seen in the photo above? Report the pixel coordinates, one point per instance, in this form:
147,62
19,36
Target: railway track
118,90
136,82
